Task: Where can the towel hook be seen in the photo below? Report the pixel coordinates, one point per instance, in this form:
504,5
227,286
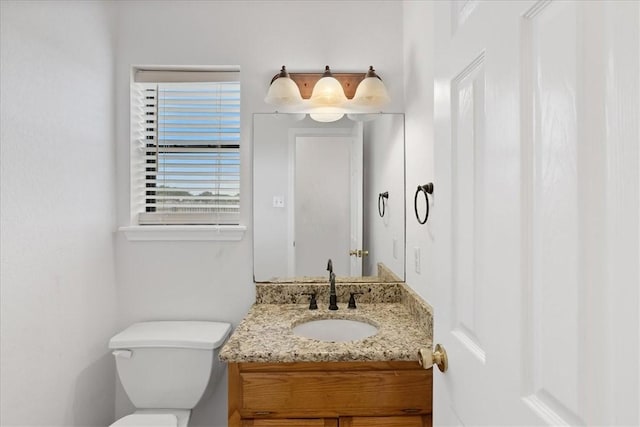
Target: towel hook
427,188
384,197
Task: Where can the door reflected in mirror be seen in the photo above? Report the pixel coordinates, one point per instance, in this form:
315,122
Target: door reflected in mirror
315,196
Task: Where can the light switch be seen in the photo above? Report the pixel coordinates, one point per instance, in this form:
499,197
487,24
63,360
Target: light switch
416,253
278,201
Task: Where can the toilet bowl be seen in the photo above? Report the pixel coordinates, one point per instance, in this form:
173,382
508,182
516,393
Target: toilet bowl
166,368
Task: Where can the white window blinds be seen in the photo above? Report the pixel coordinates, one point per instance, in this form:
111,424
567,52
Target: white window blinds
189,140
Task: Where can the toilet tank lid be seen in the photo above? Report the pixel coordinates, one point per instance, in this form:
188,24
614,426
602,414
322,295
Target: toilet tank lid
151,420
173,334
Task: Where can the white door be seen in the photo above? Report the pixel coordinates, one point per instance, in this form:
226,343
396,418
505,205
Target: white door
536,293
326,212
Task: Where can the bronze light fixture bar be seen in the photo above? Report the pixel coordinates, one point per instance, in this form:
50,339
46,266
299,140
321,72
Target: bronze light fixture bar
306,82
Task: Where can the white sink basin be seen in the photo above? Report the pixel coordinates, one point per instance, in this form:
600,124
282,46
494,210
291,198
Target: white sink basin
335,330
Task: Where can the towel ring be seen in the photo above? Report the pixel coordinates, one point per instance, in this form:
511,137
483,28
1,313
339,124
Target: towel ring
384,197
427,188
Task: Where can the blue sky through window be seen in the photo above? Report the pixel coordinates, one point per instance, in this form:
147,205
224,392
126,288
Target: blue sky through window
198,137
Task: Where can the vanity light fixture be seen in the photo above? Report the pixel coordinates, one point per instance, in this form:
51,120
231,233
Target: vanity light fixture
328,96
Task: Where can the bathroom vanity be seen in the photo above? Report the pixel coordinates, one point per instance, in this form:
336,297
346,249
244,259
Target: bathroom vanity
372,394
278,378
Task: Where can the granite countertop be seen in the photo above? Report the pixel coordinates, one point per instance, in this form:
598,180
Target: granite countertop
265,335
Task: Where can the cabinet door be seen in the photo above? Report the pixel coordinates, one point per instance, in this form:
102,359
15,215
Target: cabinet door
409,421
304,394
318,422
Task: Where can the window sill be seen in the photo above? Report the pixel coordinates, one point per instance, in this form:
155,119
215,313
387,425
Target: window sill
184,232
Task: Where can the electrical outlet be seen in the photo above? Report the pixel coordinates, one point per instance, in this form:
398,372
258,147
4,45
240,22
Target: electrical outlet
278,201
416,255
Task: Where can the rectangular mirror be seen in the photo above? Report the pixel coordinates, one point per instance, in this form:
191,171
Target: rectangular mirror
316,196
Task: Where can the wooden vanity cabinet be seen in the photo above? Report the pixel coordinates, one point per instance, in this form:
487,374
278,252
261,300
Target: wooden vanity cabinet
330,394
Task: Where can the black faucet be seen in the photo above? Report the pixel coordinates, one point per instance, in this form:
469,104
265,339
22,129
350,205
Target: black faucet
352,299
313,305
332,290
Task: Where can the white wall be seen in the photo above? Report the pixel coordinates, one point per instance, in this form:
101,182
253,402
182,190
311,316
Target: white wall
213,280
57,213
384,171
418,80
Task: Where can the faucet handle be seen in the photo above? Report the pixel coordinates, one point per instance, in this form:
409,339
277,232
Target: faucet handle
352,299
313,304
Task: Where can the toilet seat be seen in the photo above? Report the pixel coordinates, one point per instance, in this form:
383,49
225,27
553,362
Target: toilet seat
144,420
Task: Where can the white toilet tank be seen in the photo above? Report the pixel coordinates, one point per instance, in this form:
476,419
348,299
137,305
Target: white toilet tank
169,364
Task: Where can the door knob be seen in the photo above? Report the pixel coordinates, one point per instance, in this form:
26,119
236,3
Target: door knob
358,253
438,357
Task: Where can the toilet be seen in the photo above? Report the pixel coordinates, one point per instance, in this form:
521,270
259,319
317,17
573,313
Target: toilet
166,368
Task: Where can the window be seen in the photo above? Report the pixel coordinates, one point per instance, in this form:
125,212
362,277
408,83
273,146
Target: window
186,147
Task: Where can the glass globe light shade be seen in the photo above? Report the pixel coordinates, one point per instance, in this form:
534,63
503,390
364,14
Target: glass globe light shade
371,92
326,114
328,91
283,91
326,117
